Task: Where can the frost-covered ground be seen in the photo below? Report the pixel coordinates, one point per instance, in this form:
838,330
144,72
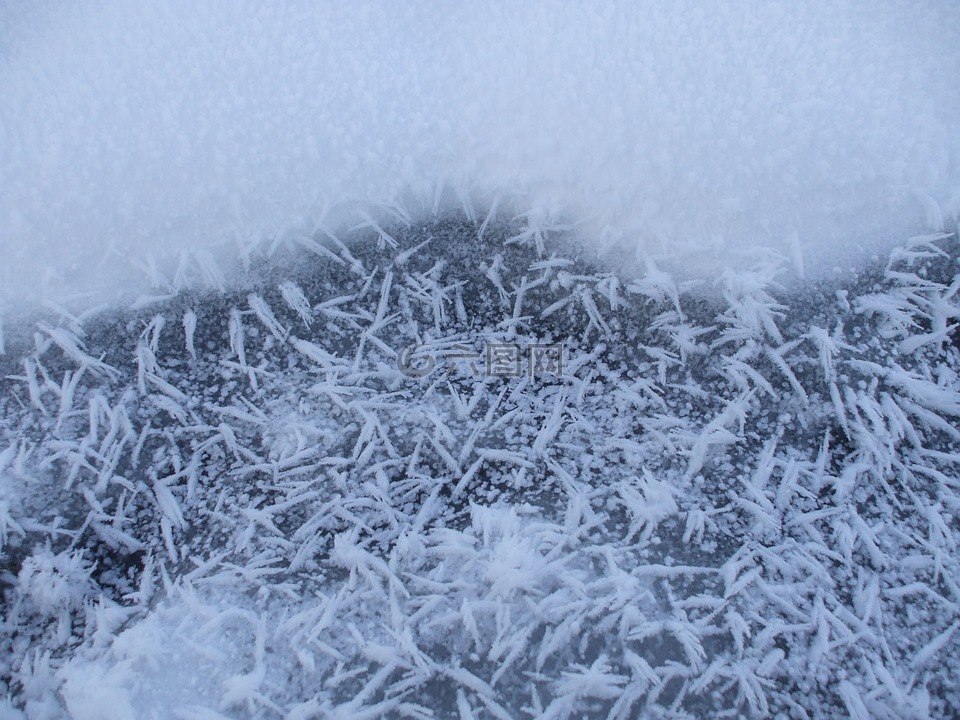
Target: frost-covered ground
733,498
255,259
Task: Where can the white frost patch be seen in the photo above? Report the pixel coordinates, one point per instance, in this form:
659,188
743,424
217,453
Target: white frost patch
213,649
743,505
136,136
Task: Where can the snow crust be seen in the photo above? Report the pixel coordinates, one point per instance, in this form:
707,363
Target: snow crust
691,129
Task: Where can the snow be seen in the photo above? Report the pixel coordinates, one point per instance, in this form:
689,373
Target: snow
720,506
256,462
139,138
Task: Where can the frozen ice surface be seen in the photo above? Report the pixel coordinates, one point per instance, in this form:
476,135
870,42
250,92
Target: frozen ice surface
734,500
686,128
226,229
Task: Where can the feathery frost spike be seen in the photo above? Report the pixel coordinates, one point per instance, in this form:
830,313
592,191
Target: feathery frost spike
262,310
491,215
294,297
72,348
658,286
492,272
154,328
316,247
401,259
209,270
235,326
383,237
33,385
189,328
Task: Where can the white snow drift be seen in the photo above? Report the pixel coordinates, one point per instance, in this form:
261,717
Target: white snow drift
129,129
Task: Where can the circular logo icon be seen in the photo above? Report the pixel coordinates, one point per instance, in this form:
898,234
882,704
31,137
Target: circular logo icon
413,361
